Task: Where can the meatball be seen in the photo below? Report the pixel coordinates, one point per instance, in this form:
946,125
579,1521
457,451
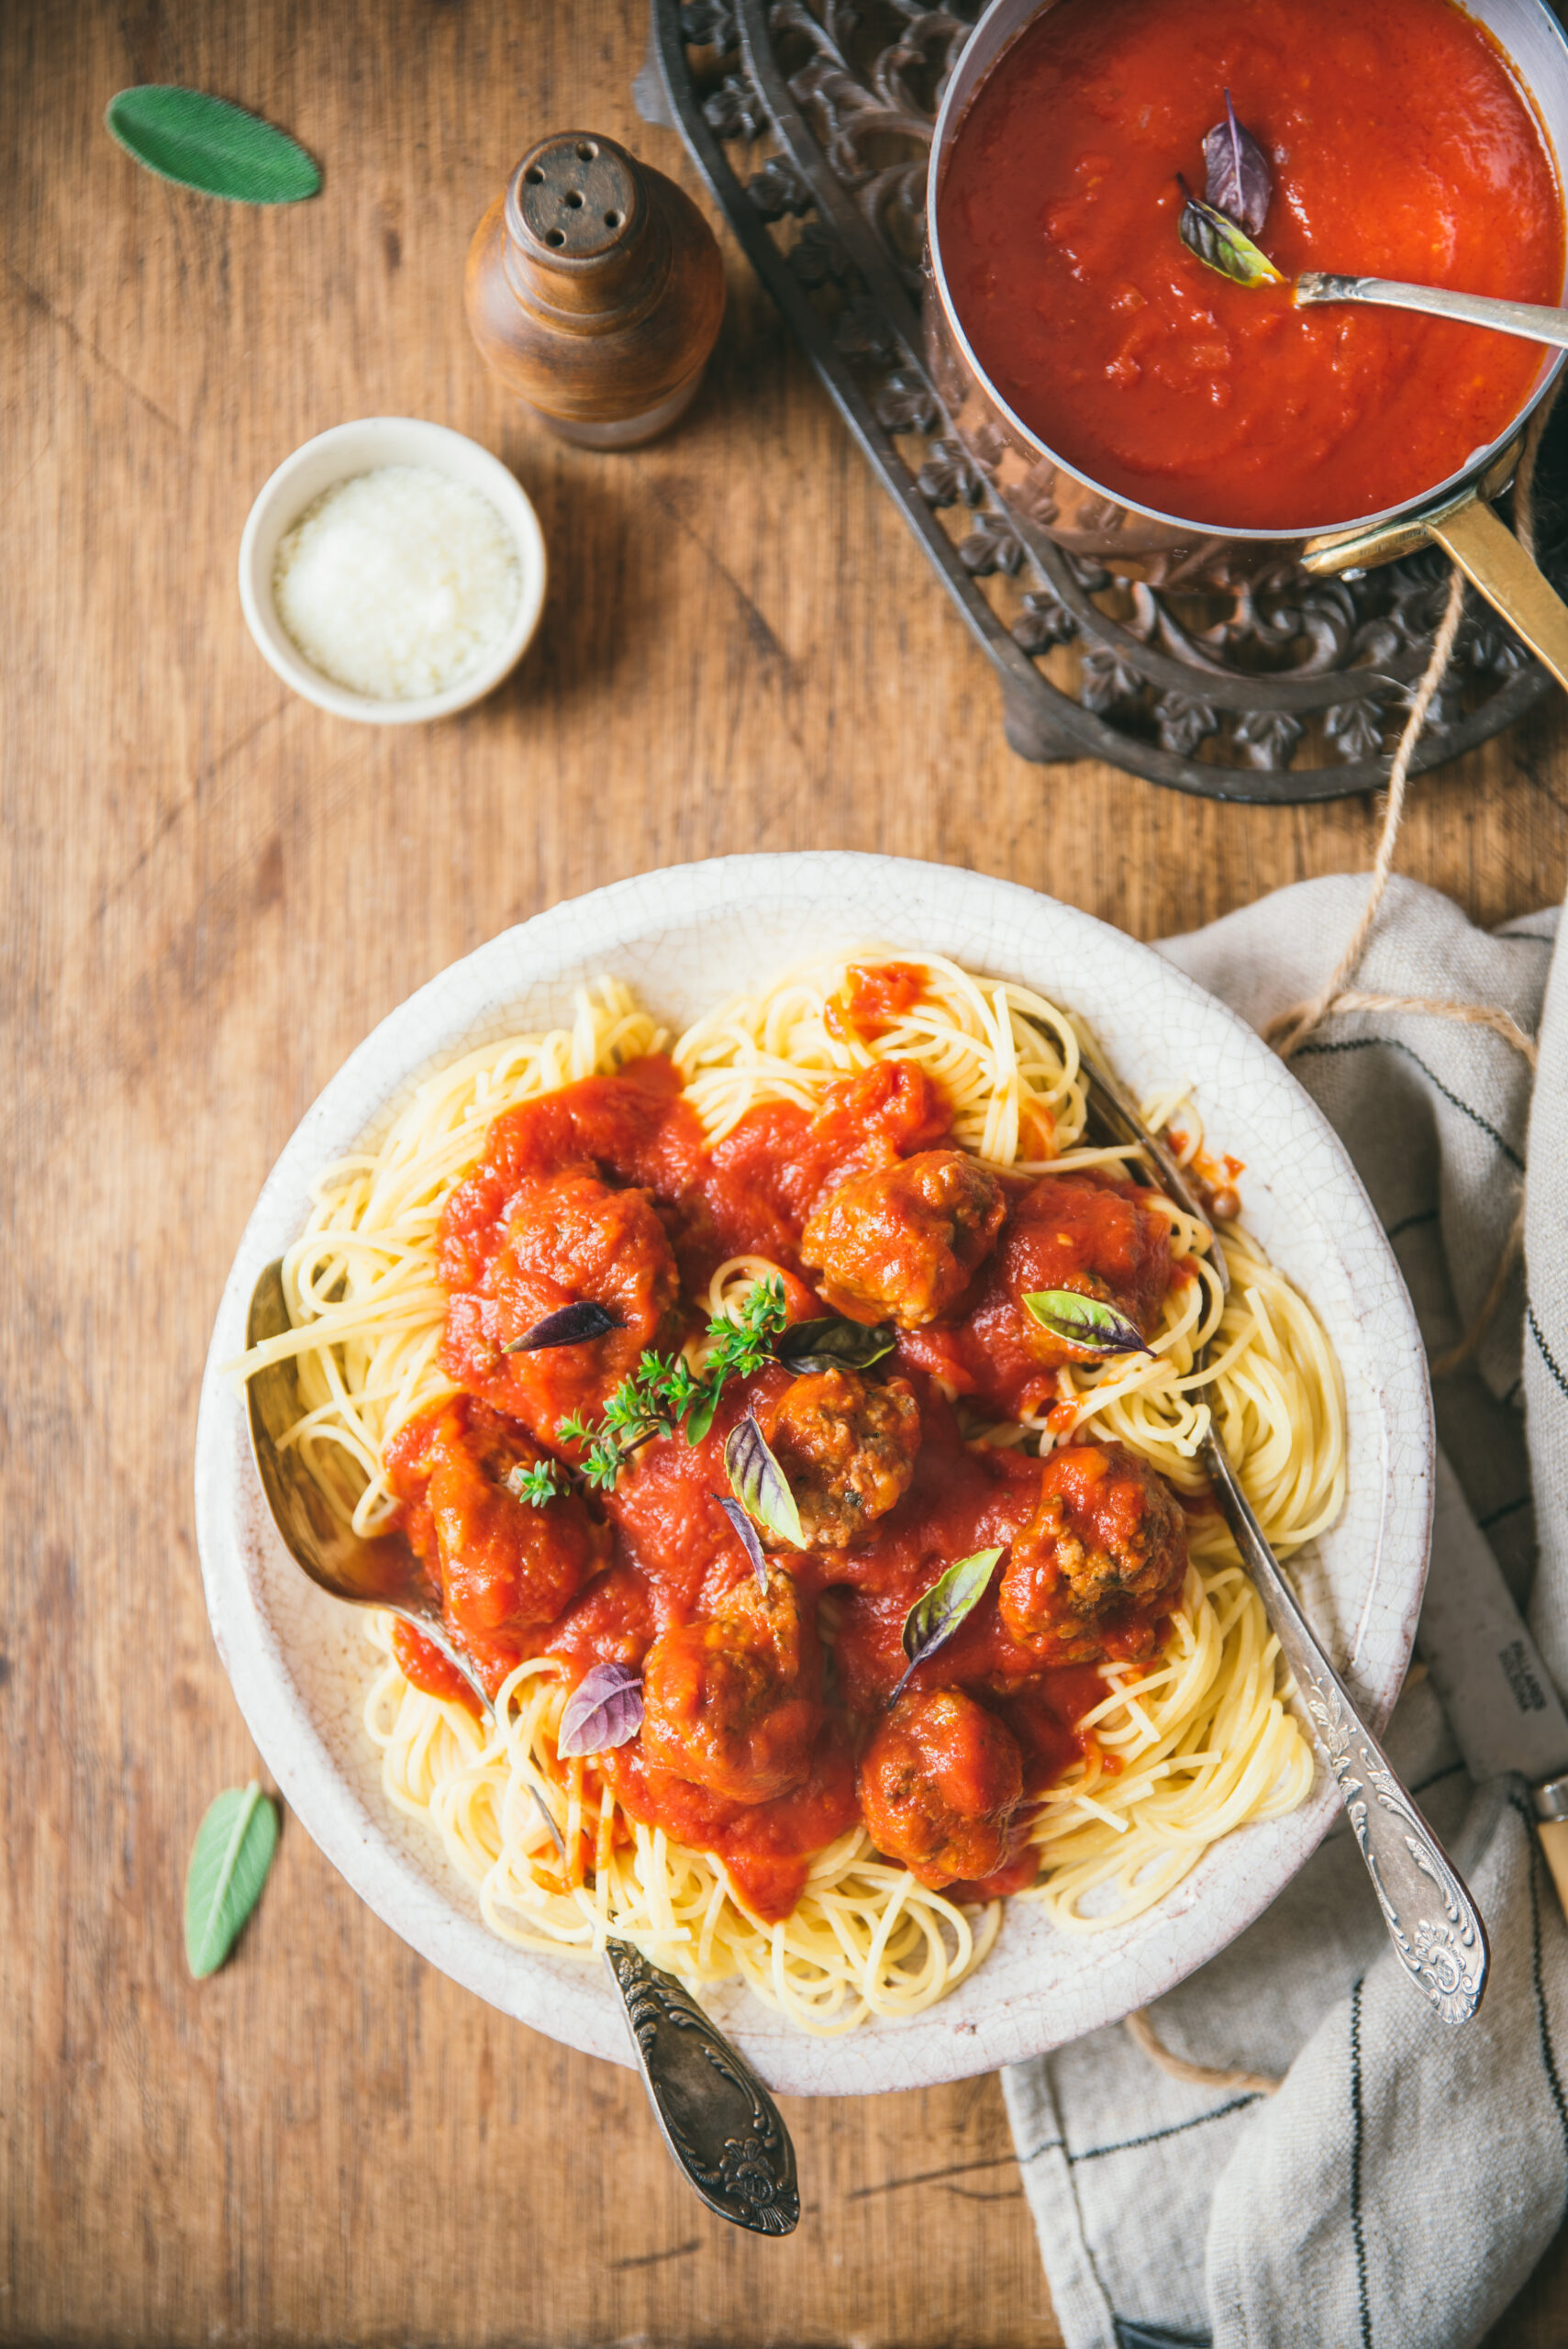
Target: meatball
1071,1231
901,1242
847,1450
729,1702
505,1566
1068,1231
569,1239
938,1785
1102,1559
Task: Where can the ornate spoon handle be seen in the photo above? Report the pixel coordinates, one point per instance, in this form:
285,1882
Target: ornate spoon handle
719,2121
1530,320
1432,1922
715,2116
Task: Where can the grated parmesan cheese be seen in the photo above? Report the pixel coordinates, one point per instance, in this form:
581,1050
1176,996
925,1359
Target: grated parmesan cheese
398,582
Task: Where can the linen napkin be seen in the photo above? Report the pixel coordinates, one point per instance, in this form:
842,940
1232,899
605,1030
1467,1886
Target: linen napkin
1399,2189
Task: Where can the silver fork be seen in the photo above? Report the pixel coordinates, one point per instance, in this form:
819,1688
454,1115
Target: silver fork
1432,1922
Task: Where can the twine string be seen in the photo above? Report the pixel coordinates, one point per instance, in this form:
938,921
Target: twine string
1290,1030
1142,2028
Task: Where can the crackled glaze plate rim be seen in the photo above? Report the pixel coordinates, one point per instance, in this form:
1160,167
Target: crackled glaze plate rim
686,936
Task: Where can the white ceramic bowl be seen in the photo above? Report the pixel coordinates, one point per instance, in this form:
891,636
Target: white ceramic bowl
685,939
360,448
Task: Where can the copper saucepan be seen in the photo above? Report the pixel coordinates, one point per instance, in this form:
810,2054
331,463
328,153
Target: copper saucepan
1139,541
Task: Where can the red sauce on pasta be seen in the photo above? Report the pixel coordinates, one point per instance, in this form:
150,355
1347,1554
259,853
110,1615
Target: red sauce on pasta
769,1729
1401,147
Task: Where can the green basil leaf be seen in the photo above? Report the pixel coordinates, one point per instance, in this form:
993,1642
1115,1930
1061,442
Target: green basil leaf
932,1621
204,142
834,1344
230,1860
1221,245
1084,1322
759,1483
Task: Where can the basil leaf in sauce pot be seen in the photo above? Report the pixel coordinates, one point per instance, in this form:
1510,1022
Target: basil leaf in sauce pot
230,1860
1241,177
604,1709
1221,245
1083,1321
834,1344
932,1621
759,1483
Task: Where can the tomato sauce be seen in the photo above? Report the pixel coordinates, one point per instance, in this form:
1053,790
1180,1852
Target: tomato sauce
1401,147
606,1191
875,996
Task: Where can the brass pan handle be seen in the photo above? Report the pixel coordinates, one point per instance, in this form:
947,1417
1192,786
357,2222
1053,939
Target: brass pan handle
1485,550
1492,557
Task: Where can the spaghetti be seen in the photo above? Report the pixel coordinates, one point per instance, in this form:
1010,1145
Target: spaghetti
1180,1736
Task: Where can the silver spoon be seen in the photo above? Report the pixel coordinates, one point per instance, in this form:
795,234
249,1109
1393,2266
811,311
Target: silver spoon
1531,321
713,2113
1432,1922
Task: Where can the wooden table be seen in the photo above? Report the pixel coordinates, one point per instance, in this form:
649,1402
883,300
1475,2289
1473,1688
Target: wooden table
212,892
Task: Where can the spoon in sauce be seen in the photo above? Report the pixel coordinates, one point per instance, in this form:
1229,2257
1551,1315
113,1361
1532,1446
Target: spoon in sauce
715,2115
1219,237
1533,321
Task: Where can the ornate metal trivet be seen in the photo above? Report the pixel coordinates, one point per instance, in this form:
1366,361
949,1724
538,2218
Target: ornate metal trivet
811,122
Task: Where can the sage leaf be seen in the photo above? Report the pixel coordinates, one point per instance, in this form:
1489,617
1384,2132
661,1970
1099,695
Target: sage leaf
834,1344
932,1621
1083,1321
204,142
573,1325
1221,245
230,1860
1241,177
604,1709
759,1483
748,1532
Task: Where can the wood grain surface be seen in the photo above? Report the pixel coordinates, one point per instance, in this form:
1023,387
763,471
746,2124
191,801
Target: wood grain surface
212,891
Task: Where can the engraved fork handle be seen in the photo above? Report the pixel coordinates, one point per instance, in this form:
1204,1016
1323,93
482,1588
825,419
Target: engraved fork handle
1432,1922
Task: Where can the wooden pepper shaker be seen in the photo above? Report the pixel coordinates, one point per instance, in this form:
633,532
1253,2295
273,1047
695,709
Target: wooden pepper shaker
595,290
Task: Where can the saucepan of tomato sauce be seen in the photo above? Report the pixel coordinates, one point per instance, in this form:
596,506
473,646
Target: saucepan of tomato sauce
1132,404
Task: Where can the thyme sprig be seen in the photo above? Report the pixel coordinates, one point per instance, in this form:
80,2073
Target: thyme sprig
537,1484
659,1396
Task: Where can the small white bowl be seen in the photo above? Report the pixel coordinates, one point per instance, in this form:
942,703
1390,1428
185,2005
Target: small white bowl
338,455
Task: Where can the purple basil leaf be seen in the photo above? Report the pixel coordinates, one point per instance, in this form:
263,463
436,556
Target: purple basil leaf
604,1709
1241,177
748,1532
932,1621
759,1483
834,1344
573,1325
